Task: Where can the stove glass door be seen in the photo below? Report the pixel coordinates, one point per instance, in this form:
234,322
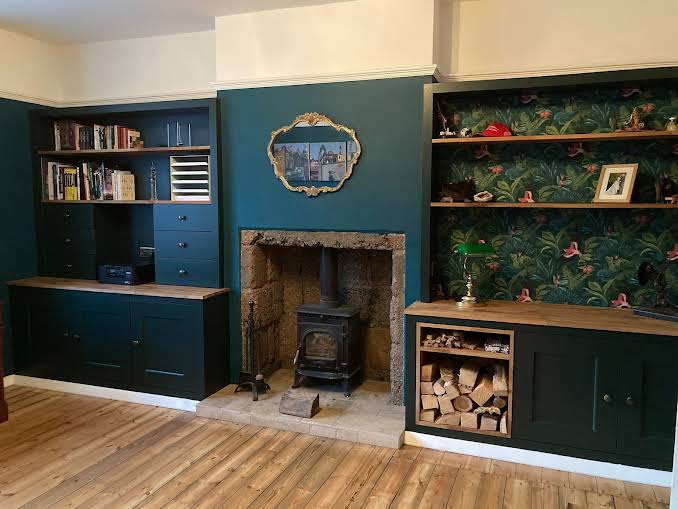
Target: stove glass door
320,346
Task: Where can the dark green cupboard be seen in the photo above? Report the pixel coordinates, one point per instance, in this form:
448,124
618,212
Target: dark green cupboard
169,346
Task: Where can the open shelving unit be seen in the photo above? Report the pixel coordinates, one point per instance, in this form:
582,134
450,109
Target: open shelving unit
552,205
562,138
127,152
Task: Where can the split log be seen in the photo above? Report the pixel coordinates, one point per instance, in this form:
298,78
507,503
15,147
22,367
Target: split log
299,405
468,374
469,420
426,387
463,404
453,419
427,416
452,390
447,373
489,422
483,391
499,402
446,405
487,410
503,424
499,382
429,402
429,372
439,387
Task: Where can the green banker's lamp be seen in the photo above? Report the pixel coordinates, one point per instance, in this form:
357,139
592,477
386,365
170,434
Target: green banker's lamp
472,250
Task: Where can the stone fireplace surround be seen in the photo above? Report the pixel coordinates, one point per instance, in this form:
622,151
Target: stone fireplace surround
261,281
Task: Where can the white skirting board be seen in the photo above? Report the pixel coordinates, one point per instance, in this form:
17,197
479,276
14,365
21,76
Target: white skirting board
142,398
540,459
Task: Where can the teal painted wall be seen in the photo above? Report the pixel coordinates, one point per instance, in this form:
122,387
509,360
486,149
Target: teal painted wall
18,247
383,195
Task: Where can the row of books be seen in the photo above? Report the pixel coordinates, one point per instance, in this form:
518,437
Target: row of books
71,135
86,181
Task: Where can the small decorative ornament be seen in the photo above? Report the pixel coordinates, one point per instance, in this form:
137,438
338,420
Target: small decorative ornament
458,191
496,129
446,131
483,196
466,132
635,122
672,124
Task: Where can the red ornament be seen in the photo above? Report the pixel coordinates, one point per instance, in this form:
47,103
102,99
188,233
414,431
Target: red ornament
496,129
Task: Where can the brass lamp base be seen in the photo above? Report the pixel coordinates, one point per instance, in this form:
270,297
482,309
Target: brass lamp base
470,300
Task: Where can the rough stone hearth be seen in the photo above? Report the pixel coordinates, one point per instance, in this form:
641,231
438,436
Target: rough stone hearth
280,271
366,417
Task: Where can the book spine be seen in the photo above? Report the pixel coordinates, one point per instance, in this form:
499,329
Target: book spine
57,136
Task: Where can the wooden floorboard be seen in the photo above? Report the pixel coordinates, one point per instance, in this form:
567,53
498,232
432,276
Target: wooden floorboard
62,450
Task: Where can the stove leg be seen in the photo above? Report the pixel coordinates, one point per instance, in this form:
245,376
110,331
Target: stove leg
346,386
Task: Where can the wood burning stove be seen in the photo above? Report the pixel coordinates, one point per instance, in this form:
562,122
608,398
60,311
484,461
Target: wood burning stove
328,334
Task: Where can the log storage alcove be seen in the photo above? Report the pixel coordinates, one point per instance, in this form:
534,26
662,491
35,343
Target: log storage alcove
464,378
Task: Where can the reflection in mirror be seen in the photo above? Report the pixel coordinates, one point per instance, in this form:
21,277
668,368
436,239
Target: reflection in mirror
313,154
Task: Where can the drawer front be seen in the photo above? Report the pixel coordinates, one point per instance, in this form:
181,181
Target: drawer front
79,266
184,272
71,241
185,217
184,244
59,216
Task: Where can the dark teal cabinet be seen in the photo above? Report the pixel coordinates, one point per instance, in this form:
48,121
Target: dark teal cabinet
102,337
564,389
168,349
169,346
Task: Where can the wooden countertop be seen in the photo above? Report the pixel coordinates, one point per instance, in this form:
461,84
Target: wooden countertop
550,315
145,290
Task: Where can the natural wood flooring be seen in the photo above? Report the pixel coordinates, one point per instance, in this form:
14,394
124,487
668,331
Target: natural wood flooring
61,450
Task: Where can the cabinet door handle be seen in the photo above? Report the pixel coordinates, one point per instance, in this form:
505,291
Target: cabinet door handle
66,334
607,398
67,241
183,272
69,266
181,218
76,338
629,401
182,244
136,342
67,215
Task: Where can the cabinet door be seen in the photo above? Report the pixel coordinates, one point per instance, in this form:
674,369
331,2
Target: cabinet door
649,378
49,348
103,340
560,383
168,347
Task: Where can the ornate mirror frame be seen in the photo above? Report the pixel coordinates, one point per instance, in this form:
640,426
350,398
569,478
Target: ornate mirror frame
312,119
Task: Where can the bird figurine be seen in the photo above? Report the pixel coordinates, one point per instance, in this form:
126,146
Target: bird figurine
635,122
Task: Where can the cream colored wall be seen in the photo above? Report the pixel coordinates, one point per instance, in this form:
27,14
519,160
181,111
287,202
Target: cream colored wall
499,38
30,70
335,42
146,69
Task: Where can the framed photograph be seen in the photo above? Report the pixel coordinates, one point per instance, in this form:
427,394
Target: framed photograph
328,161
616,183
293,157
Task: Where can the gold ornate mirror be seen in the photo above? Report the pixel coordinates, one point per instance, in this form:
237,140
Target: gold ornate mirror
313,154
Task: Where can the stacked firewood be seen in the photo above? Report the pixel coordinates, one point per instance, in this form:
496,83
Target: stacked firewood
471,394
458,339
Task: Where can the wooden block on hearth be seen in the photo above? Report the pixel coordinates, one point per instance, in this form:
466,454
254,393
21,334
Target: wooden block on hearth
469,420
426,387
446,405
483,391
427,415
499,381
429,402
299,405
429,372
453,419
489,422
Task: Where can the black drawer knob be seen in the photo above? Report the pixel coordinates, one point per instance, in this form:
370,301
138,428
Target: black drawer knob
183,272
607,398
182,244
136,342
67,241
69,266
630,401
67,215
182,218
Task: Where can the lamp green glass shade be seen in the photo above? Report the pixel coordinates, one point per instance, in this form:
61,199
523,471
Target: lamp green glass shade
475,249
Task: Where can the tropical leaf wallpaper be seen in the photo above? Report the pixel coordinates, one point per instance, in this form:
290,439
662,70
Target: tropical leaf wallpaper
575,256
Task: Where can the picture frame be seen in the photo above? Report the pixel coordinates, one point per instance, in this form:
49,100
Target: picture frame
616,183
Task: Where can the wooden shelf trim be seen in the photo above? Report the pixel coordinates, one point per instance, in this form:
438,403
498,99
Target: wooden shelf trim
131,151
560,138
145,290
552,205
130,202
466,353
549,315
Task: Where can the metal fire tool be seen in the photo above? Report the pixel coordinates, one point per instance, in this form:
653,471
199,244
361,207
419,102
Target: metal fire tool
256,384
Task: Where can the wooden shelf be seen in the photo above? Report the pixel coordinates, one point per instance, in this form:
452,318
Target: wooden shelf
129,202
465,353
563,138
131,151
550,205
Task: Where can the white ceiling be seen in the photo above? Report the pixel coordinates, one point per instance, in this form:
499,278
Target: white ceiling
79,21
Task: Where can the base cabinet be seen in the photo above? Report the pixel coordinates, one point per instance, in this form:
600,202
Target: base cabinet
168,346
